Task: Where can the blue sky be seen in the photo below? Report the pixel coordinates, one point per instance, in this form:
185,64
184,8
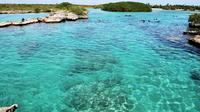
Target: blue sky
186,2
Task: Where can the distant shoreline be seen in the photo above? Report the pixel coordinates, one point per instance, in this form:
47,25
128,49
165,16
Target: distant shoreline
172,10
157,9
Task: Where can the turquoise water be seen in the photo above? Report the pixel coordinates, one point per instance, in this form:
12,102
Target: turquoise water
119,64
18,17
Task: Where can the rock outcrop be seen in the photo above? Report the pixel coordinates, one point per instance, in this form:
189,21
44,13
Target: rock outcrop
72,17
24,11
54,17
9,109
82,16
195,41
16,12
4,24
50,19
191,32
194,29
194,25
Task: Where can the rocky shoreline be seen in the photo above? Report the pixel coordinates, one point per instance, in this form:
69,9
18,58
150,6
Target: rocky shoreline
194,29
195,40
54,17
24,11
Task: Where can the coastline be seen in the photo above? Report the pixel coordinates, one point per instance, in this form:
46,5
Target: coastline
173,10
157,9
25,11
54,17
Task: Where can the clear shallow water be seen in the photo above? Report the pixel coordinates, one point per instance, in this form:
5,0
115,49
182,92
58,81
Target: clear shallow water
18,17
117,65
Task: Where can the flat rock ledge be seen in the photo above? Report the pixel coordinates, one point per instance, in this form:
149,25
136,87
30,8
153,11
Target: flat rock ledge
54,17
195,41
194,25
192,32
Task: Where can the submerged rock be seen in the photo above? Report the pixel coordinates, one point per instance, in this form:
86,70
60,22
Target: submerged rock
128,15
195,75
108,95
28,49
143,21
195,41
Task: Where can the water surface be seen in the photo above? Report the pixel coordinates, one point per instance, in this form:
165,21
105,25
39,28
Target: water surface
18,17
108,63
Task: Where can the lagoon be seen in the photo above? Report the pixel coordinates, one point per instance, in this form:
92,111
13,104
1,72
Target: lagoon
118,64
18,17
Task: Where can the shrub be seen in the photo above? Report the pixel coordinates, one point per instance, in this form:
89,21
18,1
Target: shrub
77,10
195,18
127,7
37,10
174,7
64,5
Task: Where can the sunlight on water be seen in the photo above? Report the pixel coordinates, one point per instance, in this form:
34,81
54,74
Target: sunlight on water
119,64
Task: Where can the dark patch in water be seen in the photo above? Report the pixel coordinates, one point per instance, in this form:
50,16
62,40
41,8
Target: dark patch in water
174,55
195,75
28,49
91,61
160,33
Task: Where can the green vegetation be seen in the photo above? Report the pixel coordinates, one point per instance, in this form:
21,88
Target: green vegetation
175,7
195,18
80,10
6,7
37,10
64,5
77,10
127,7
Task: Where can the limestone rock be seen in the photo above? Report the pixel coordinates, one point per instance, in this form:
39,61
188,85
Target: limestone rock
4,24
33,20
194,25
16,12
54,17
72,17
191,32
195,41
51,19
82,16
